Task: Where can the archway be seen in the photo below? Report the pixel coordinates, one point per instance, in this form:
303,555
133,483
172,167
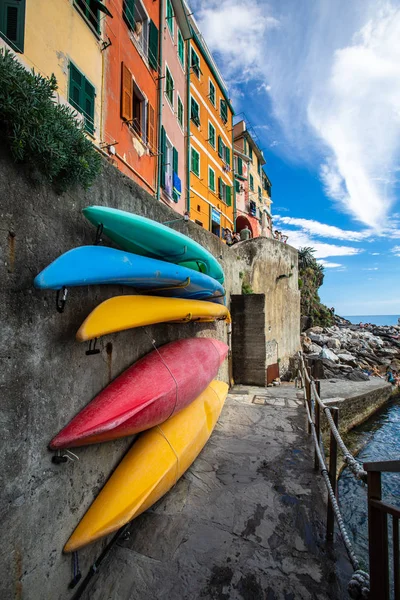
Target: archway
241,223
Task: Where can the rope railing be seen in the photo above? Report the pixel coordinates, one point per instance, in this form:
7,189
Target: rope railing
359,585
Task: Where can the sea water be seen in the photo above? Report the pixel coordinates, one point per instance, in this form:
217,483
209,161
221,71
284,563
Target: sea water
381,432
374,319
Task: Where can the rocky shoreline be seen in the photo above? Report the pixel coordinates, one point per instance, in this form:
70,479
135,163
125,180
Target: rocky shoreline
354,352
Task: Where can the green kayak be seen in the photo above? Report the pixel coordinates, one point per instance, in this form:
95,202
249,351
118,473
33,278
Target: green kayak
146,237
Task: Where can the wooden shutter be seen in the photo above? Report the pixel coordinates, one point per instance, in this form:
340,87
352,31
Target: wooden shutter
163,153
220,147
220,187
129,12
126,94
240,166
227,155
75,87
89,95
175,160
151,127
228,195
12,23
153,46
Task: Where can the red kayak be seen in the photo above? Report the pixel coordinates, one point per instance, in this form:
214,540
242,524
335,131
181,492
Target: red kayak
147,393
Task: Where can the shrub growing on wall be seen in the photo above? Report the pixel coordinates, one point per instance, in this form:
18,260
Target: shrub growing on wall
41,132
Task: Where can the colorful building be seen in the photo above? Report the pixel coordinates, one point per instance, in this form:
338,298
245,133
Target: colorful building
253,212
131,80
173,146
266,217
210,191
241,170
65,38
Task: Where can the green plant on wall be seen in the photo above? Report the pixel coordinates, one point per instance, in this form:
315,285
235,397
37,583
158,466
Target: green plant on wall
246,288
41,132
311,278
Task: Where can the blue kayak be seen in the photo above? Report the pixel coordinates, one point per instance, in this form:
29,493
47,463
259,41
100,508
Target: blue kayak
93,265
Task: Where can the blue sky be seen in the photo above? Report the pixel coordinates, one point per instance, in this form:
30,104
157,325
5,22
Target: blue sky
319,83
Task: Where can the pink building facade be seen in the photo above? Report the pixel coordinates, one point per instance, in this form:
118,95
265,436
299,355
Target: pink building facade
173,140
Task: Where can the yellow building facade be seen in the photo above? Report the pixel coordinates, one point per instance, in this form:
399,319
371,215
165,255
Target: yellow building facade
63,37
210,169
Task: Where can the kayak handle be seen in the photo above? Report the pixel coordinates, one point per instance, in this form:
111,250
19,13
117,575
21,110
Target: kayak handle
61,299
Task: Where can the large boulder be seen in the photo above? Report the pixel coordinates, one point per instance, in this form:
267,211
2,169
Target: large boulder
357,375
333,343
316,329
348,359
329,355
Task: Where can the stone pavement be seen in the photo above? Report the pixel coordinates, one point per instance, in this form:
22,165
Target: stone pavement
245,522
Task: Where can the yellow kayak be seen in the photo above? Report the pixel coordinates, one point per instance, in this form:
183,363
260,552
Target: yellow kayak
126,312
154,464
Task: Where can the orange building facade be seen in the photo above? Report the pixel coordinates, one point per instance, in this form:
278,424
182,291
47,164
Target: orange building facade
211,195
131,71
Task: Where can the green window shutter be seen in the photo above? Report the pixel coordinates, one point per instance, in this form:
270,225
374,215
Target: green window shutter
153,46
228,194
251,153
227,156
169,86
223,111
75,94
89,95
175,160
240,166
129,13
237,186
180,112
212,93
195,62
220,188
195,166
163,152
170,17
181,48
259,193
12,23
220,147
194,111
211,180
251,183
211,134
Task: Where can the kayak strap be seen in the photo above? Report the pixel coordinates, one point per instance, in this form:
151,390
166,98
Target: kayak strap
99,233
61,299
77,575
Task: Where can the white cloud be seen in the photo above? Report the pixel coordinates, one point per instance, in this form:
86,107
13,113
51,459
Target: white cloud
396,250
329,265
299,239
322,230
370,269
375,253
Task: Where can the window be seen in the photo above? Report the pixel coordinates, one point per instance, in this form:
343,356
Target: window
252,183
237,186
239,166
195,162
223,109
220,147
12,23
181,48
224,192
251,153
81,95
211,179
135,109
195,111
227,156
169,86
91,11
170,18
211,93
195,62
259,166
180,111
259,194
144,31
211,134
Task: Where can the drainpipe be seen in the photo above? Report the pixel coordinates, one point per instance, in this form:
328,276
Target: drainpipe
187,125
160,98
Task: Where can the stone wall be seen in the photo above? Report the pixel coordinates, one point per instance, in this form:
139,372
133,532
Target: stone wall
248,338
46,377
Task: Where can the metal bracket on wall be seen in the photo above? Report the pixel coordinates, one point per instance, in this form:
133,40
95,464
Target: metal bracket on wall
99,233
61,299
92,348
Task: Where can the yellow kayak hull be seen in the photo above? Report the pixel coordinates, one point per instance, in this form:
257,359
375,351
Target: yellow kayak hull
151,468
126,312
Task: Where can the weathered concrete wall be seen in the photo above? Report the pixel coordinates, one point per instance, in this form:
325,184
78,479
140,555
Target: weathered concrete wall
46,378
248,339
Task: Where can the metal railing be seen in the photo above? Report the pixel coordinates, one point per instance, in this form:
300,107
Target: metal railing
376,585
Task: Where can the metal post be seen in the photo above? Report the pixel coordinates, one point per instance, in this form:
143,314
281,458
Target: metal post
317,423
377,541
330,518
